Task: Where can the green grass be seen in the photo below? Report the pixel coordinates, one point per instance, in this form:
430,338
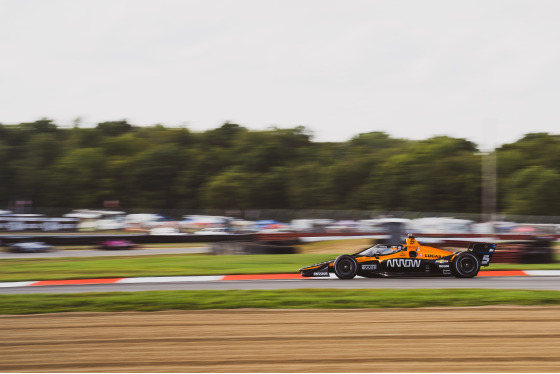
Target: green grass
276,299
553,266
170,265
149,245
161,265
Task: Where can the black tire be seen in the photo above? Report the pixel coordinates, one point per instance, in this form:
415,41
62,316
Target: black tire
465,265
345,267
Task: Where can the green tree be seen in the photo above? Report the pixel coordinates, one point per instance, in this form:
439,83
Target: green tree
79,179
151,177
440,174
306,187
223,136
41,126
537,149
114,128
260,151
5,173
533,191
232,167
229,190
269,190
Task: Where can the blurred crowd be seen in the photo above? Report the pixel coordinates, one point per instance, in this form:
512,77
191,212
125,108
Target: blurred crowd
84,220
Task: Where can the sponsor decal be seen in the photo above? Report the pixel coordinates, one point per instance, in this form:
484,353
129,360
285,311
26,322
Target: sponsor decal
442,261
403,263
447,272
428,255
443,266
369,267
320,273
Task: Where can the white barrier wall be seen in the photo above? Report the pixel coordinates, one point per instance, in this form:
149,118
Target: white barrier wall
37,224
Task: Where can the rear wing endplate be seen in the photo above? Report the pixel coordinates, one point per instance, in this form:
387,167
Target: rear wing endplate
484,251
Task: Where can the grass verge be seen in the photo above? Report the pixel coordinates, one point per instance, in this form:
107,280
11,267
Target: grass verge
143,266
171,265
275,299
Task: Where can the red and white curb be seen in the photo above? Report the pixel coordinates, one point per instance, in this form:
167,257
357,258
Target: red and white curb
214,278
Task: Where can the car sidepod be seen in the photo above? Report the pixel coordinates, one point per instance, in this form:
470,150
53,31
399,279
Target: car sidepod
369,268
404,266
416,266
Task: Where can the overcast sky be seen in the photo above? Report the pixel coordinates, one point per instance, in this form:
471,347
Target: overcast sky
488,71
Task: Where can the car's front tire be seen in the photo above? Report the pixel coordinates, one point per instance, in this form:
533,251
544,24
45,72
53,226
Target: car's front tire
345,267
465,265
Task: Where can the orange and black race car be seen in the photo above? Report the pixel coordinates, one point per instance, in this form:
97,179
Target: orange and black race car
411,258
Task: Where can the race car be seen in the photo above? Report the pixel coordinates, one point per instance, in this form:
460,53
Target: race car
117,244
411,259
29,247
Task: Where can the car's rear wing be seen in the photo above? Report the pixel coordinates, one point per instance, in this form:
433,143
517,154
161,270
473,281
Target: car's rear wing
484,251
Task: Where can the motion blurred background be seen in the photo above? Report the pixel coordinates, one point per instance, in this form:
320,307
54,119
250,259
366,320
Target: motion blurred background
275,174
259,110
152,128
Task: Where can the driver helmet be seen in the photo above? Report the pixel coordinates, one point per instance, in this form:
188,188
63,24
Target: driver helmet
411,240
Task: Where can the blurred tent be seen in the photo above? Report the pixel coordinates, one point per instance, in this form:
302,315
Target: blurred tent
266,222
93,214
212,220
525,230
242,223
345,223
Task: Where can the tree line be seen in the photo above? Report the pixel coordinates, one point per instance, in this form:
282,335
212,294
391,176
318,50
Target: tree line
232,167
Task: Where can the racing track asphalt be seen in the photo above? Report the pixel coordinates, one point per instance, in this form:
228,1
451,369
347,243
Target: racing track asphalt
509,282
488,282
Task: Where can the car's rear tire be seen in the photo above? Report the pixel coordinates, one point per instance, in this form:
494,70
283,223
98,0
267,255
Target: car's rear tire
465,265
345,267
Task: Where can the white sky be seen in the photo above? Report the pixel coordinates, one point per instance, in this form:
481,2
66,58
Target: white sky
413,69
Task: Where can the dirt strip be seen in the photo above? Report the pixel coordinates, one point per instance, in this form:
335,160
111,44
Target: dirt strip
475,339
